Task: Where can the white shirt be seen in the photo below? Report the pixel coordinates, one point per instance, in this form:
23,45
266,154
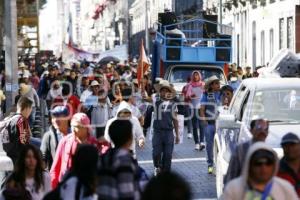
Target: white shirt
30,186
68,191
85,94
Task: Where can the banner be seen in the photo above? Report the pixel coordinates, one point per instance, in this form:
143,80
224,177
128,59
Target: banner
71,53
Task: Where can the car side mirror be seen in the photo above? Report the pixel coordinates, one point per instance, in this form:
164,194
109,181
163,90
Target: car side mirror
226,121
227,117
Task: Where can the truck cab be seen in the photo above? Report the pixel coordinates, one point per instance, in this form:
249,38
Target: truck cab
195,44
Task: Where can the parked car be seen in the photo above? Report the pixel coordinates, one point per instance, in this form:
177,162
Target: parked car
275,99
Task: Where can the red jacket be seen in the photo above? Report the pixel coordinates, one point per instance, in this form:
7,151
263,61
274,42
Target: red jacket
63,157
72,103
286,173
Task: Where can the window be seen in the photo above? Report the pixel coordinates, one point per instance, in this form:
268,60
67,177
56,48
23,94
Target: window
281,33
237,102
290,33
271,43
262,46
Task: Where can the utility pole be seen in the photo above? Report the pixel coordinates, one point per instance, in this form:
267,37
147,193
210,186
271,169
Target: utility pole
146,28
11,51
221,17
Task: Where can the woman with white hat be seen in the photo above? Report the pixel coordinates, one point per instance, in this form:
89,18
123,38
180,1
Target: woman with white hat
208,112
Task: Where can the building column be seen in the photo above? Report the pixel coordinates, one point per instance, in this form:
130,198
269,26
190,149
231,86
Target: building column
11,51
1,25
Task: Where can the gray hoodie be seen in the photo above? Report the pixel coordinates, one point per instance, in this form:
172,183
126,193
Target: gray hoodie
137,129
237,188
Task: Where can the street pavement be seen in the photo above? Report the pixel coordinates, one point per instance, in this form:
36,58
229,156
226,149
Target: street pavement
188,163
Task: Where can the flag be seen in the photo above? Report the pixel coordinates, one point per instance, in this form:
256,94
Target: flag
143,64
70,31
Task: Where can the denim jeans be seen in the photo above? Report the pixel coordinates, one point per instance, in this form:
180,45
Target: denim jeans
209,138
197,125
163,145
189,123
35,141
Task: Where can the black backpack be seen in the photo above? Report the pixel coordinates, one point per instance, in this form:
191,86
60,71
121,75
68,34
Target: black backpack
9,135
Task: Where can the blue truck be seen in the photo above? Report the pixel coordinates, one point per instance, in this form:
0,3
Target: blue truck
195,44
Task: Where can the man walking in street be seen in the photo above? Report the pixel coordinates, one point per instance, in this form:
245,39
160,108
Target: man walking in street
59,128
211,99
124,112
289,168
259,129
81,134
165,121
258,179
117,171
19,133
98,109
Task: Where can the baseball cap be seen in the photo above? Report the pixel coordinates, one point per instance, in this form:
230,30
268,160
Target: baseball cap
81,119
290,138
59,111
263,155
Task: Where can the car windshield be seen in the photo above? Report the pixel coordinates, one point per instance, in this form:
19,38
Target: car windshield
277,105
180,74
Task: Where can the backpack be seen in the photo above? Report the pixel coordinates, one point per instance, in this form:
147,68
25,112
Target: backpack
9,135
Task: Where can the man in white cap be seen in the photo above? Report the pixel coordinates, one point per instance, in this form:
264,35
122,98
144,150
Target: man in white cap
98,108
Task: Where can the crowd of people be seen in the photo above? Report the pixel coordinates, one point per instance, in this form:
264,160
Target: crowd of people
98,115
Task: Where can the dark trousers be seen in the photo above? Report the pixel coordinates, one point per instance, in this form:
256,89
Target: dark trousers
197,124
163,145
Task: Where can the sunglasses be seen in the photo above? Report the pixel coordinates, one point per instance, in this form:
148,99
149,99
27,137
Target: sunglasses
216,83
126,113
263,128
265,162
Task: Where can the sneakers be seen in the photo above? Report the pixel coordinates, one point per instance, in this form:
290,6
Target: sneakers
189,136
156,171
202,146
197,147
210,170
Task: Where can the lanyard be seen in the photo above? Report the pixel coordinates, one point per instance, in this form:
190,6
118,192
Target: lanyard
267,191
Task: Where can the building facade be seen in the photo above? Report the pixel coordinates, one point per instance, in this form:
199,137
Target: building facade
138,11
188,8
83,23
261,28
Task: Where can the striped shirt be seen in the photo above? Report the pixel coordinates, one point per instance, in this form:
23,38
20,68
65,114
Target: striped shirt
117,176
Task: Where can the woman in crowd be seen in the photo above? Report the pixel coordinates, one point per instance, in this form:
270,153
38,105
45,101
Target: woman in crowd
80,182
194,92
28,181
